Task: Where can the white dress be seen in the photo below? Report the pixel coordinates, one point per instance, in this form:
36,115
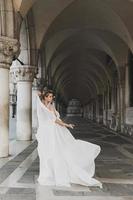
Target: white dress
63,159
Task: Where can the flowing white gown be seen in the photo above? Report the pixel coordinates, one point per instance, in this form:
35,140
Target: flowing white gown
63,159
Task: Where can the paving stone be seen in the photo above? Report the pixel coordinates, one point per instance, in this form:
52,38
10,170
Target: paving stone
28,176
77,193
21,191
19,197
117,140
11,165
111,164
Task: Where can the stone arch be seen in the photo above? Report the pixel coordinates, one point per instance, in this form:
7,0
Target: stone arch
64,47
59,60
85,10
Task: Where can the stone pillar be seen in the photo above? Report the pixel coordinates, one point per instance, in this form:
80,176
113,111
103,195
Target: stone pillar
128,129
122,107
91,111
24,76
122,97
113,106
34,107
127,103
8,48
88,111
105,108
97,109
113,98
58,106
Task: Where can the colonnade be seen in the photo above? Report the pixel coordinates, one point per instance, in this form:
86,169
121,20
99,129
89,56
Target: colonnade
8,49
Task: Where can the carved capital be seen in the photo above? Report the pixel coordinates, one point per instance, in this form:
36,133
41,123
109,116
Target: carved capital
25,73
8,49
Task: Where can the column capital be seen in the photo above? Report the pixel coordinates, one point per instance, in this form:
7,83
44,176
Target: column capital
25,73
9,48
34,84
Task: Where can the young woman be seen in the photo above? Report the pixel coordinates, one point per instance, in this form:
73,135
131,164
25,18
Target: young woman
63,159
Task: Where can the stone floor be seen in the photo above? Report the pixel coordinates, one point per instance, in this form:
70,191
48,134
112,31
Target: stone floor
114,167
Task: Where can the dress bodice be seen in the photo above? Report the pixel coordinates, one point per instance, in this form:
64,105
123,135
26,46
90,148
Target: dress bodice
45,115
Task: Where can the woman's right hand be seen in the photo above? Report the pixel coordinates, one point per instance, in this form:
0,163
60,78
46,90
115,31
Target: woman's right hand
70,126
39,93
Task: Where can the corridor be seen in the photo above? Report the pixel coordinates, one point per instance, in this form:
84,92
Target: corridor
82,50
19,172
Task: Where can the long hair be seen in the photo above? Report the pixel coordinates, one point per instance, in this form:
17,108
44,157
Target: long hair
45,93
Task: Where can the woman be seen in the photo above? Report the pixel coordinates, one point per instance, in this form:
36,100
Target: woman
63,159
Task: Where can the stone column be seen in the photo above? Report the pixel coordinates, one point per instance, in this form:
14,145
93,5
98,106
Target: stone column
34,107
8,48
113,106
122,97
127,103
91,110
58,106
24,76
105,108
97,109
113,98
122,107
88,111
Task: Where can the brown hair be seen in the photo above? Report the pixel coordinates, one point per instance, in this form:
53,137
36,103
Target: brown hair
46,93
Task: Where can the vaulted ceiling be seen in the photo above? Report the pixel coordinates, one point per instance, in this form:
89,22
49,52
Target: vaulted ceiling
78,36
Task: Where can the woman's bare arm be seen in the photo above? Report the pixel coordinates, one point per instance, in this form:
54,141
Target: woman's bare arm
60,122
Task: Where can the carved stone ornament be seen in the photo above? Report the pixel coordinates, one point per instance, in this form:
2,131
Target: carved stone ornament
8,49
25,73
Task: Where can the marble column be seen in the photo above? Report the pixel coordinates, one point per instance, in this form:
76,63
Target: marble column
58,106
85,112
122,107
24,76
113,96
91,110
88,111
34,108
8,48
122,97
97,109
127,103
105,108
